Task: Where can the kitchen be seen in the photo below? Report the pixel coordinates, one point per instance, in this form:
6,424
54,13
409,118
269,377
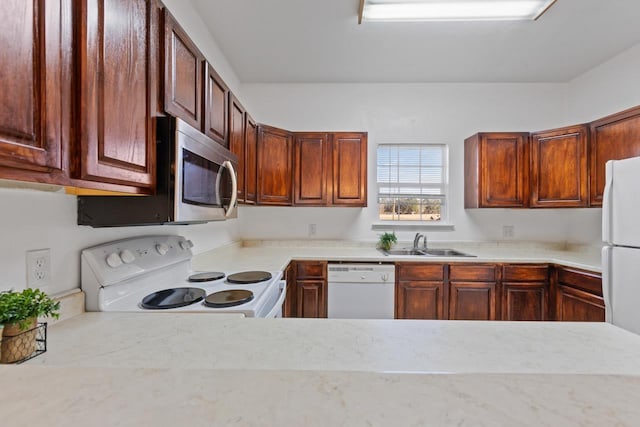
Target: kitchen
446,112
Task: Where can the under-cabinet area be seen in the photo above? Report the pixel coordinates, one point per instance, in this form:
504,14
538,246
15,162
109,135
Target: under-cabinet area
461,291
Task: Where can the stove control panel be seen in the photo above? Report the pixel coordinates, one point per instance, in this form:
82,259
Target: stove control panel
120,260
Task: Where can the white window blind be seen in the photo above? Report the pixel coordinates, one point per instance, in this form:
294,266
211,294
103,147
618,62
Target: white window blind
412,182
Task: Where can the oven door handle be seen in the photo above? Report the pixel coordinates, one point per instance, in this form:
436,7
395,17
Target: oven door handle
278,305
234,188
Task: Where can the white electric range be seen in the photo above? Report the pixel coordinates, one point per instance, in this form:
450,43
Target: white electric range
153,274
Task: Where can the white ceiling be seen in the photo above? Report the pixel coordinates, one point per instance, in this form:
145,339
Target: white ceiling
288,41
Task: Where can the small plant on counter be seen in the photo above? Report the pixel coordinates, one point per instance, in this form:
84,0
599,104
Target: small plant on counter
387,240
19,312
21,307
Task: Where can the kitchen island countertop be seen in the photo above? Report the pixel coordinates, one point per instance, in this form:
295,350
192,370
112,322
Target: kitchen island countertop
152,368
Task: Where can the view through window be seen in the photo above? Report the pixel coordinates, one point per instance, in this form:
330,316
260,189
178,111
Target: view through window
412,182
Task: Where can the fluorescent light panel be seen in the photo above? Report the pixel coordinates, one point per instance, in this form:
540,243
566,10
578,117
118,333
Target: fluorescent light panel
454,10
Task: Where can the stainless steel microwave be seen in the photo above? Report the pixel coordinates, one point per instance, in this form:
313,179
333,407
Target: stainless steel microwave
196,183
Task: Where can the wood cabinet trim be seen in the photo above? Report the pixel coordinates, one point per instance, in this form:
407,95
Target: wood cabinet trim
221,136
360,165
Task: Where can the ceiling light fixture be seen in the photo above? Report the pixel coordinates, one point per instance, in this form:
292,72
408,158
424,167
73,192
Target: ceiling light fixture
452,10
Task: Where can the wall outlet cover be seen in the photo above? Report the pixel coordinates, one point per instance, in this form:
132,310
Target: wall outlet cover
38,268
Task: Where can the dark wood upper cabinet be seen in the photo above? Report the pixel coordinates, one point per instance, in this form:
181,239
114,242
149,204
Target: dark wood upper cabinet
275,166
35,93
496,167
250,159
613,137
237,140
216,106
118,86
559,174
312,160
183,76
349,169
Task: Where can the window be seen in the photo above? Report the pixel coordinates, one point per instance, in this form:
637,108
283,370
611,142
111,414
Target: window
412,182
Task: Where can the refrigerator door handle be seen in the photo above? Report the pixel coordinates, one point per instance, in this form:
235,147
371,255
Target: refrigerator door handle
606,283
606,204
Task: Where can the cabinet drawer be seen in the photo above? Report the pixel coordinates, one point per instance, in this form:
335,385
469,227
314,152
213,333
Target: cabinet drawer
420,271
311,270
590,282
472,273
525,273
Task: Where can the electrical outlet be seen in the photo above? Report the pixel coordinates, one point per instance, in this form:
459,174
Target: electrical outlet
38,268
312,230
508,231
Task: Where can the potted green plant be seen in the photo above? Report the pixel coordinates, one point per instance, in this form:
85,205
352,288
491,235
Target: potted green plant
19,312
387,240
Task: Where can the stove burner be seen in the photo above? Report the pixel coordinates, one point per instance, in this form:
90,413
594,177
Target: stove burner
231,298
173,298
247,277
207,276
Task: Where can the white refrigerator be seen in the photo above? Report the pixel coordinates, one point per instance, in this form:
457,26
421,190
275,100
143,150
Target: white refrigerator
621,236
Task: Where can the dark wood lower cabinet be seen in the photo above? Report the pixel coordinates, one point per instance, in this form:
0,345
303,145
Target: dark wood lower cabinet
525,301
420,300
578,296
420,291
307,290
574,305
525,292
472,301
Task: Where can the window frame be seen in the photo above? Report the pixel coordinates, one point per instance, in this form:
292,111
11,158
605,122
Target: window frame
444,221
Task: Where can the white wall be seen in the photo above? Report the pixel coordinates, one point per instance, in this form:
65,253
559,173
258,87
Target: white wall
425,112
31,219
608,88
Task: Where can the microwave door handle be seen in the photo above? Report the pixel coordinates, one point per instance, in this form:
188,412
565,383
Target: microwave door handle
234,188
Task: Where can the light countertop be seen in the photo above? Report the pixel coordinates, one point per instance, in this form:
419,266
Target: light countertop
276,255
137,369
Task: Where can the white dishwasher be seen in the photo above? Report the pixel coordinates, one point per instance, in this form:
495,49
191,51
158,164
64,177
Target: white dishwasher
361,291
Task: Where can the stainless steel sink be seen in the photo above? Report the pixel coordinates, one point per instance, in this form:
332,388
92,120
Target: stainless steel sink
445,252
426,252
403,252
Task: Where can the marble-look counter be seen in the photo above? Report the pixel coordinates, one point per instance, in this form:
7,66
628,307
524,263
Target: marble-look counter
162,369
276,255
181,397
209,341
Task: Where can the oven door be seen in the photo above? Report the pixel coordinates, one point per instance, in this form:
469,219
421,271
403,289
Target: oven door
204,178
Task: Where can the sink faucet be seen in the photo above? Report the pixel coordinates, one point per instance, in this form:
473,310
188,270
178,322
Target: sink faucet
416,241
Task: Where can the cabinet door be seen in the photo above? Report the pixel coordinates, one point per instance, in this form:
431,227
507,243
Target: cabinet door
578,296
420,300
182,74
612,138
472,301
350,169
250,160
525,301
575,305
275,155
216,106
35,89
504,170
525,292
559,168
472,292
311,169
237,140
311,298
117,89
